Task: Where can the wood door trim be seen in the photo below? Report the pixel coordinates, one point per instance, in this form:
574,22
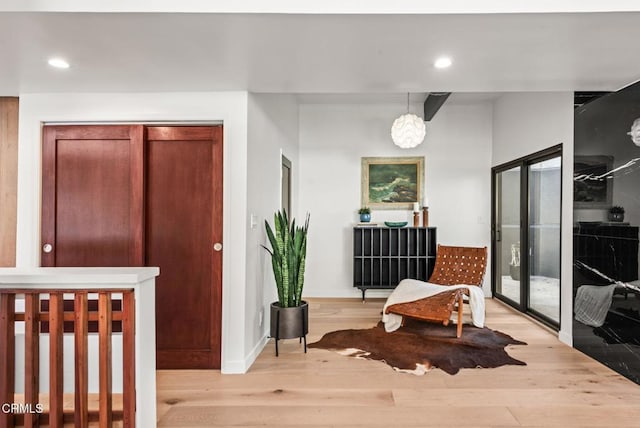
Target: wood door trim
9,107
92,132
216,309
48,221
136,206
177,133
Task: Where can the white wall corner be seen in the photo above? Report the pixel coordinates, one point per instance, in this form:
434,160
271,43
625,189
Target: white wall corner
242,366
233,367
566,337
272,132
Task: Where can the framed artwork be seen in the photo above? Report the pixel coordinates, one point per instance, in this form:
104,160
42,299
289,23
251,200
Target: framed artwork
392,183
592,182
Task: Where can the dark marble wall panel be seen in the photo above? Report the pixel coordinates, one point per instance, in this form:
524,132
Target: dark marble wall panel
606,287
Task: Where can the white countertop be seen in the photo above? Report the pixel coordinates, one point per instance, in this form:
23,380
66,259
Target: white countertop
76,275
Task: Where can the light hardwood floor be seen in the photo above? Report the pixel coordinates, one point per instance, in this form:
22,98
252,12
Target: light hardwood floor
559,387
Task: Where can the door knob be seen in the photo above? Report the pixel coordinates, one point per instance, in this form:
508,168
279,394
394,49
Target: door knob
47,248
217,246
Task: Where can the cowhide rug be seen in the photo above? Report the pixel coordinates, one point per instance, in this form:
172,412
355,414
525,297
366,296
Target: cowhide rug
419,346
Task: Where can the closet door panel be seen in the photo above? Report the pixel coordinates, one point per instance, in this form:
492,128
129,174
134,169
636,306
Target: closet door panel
183,222
91,208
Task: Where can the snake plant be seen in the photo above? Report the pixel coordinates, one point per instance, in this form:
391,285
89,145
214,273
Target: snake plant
288,256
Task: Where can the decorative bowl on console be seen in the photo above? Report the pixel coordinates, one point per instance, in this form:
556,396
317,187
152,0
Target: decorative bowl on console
395,223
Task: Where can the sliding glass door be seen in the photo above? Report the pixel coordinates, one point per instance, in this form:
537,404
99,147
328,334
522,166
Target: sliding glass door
544,238
507,236
526,234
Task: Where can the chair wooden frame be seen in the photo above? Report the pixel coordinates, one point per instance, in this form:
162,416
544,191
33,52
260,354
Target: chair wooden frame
454,266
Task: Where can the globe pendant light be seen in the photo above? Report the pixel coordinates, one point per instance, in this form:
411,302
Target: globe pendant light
408,130
635,132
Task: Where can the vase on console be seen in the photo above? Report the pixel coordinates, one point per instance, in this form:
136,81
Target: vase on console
365,214
616,214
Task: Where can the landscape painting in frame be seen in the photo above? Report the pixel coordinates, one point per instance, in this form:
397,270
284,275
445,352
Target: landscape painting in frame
392,183
592,181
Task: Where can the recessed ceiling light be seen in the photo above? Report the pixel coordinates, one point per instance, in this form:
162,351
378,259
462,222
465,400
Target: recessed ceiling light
442,62
58,63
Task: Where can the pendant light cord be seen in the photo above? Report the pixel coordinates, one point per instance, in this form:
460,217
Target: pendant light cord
408,94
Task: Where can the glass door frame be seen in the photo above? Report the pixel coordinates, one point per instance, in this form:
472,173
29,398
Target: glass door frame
524,163
495,243
285,183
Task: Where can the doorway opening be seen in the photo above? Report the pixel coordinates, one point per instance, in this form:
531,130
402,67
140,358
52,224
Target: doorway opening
286,185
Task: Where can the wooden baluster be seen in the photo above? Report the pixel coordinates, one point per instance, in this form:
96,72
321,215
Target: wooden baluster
128,359
31,356
56,329
104,329
7,358
81,332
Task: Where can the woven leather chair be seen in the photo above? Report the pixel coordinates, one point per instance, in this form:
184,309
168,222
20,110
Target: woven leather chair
454,266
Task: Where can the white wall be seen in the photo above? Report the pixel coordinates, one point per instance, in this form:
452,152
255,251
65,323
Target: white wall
272,132
230,108
334,138
524,123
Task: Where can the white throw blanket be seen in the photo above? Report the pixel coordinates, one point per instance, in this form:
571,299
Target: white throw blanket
592,303
410,290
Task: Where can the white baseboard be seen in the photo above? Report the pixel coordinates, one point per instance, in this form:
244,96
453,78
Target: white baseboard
251,358
241,366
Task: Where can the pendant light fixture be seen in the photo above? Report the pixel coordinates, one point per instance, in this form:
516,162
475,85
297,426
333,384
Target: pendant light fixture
408,130
635,132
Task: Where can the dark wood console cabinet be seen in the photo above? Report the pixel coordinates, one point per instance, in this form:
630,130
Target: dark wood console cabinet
609,248
383,256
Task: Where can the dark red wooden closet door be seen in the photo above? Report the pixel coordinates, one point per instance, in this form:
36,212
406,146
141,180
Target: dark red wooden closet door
183,222
143,196
92,196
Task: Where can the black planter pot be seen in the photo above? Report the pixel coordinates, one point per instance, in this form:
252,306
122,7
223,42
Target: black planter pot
514,272
616,217
289,323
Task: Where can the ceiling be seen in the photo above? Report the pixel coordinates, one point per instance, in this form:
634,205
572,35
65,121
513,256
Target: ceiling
318,54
